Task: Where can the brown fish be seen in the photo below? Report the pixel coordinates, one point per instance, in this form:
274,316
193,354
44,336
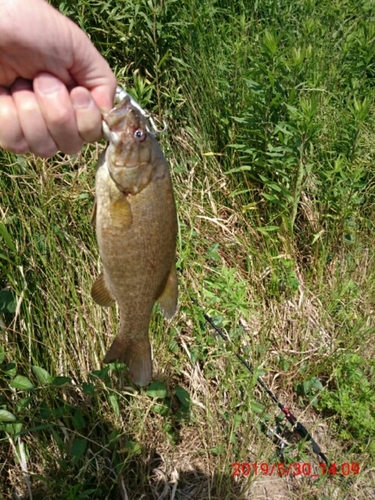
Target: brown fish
136,228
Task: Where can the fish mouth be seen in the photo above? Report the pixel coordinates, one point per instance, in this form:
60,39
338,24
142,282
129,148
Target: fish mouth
127,166
111,136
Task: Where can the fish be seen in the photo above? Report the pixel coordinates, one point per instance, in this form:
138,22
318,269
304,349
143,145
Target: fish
136,228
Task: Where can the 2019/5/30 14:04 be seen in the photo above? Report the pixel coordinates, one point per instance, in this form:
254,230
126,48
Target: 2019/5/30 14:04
294,469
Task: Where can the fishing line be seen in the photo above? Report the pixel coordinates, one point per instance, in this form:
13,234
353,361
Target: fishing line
299,428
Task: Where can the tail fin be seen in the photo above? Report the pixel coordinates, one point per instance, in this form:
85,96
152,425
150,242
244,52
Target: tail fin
136,355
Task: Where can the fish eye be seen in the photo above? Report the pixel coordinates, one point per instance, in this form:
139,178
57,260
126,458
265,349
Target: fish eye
140,134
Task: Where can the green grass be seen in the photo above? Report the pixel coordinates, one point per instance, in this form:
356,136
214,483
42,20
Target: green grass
270,111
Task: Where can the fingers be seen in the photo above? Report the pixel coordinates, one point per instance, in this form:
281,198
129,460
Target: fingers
57,110
33,125
11,135
88,116
44,117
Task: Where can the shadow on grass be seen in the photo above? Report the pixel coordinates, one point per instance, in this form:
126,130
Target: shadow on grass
145,478
76,447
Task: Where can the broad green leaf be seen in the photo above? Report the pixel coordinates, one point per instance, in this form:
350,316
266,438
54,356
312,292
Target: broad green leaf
60,381
116,366
2,355
23,403
306,386
88,388
6,416
157,390
78,420
8,301
42,375
274,186
22,383
44,410
100,374
78,448
134,447
161,409
237,420
11,369
59,412
183,396
257,407
317,384
12,429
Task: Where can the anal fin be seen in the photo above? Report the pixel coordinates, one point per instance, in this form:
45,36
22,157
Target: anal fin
168,299
101,293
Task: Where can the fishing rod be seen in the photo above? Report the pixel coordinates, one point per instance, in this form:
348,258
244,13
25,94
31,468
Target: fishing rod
299,428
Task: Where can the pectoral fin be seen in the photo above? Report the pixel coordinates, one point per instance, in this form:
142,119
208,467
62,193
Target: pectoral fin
120,211
168,299
101,293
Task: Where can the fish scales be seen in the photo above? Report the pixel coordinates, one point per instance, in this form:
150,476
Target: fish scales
136,227
133,246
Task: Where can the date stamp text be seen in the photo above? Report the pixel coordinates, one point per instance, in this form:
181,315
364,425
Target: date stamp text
293,469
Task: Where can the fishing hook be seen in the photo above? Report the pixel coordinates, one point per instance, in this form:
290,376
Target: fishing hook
152,128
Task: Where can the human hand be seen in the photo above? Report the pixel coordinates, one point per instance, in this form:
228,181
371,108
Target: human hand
53,82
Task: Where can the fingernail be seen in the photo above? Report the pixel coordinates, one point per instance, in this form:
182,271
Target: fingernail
81,99
49,84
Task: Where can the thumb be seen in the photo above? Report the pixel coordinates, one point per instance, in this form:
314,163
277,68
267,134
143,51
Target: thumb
91,70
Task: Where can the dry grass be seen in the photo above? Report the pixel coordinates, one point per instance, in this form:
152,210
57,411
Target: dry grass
176,459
